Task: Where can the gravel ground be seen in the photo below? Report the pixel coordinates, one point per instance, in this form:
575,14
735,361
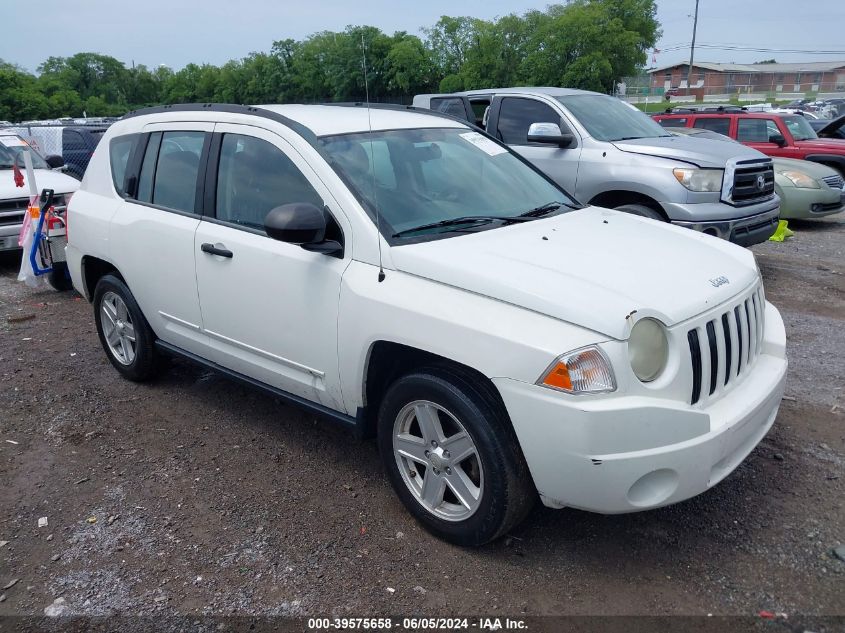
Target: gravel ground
195,496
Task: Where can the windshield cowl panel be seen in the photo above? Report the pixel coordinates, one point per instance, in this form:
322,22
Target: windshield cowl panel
439,182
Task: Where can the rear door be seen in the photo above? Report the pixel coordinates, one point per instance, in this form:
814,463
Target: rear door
269,308
509,120
154,228
75,152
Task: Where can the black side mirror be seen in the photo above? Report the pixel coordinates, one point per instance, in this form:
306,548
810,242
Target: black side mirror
301,223
778,139
55,161
549,134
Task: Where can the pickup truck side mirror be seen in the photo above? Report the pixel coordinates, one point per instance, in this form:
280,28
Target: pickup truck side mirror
301,223
55,161
777,139
549,134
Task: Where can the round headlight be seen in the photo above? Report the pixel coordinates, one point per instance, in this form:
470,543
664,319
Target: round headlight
648,349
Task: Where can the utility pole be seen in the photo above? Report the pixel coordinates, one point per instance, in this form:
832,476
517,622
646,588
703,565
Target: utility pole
692,48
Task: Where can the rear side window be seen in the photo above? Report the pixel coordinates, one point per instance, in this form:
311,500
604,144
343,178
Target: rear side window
170,169
516,115
72,140
449,105
119,150
253,178
682,122
721,125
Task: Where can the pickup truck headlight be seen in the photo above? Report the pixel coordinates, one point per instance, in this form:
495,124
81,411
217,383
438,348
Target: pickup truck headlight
648,349
800,179
585,370
699,179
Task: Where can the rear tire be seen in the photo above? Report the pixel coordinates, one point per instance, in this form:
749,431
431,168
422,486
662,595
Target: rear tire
124,332
452,456
642,211
59,278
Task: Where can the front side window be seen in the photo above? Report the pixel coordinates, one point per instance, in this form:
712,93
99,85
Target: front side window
516,115
772,130
799,128
11,146
721,125
417,177
253,178
609,119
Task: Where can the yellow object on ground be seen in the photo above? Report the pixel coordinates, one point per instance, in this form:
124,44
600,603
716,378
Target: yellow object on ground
782,232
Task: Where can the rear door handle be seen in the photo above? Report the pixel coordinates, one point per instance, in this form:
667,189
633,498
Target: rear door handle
211,249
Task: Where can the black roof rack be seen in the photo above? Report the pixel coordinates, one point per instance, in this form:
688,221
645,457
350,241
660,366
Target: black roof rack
297,127
731,109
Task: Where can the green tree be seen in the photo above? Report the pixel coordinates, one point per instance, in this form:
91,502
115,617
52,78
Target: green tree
20,98
410,68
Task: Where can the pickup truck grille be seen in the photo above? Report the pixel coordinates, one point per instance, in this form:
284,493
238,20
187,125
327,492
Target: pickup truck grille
725,347
753,183
834,182
12,211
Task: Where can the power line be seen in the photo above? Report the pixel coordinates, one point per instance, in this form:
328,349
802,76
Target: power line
753,49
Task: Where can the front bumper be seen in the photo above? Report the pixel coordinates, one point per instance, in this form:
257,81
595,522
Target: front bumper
745,231
799,203
9,234
630,453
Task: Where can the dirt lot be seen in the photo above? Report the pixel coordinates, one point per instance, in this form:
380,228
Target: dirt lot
196,496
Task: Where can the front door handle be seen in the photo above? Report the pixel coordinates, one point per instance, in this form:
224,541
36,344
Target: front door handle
211,249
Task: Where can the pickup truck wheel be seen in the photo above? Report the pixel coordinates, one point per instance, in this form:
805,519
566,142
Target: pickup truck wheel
58,277
124,332
452,457
642,211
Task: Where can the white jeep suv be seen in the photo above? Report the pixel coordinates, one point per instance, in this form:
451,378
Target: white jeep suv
409,276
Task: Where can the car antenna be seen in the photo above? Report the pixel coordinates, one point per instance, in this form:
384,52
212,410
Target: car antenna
372,160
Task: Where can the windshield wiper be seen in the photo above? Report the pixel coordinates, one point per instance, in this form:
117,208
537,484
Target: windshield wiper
472,220
542,210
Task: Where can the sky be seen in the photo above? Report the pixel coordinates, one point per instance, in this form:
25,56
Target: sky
177,32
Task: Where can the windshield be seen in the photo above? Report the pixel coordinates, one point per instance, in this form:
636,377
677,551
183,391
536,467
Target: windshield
799,128
609,119
11,146
427,176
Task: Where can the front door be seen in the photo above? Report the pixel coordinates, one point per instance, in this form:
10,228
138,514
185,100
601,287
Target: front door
515,116
269,308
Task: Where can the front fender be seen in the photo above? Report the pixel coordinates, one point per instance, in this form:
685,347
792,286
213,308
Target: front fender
496,339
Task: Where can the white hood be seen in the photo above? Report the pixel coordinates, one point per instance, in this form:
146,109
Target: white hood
44,179
592,267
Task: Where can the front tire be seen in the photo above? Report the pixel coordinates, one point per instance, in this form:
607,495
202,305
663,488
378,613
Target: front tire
642,211
124,332
452,456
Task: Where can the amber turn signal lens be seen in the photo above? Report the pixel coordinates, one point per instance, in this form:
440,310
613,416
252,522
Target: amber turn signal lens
558,377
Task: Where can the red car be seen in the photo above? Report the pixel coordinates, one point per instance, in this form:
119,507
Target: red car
785,135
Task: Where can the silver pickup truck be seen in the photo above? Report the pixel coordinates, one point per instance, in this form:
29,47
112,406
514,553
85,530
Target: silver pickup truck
609,154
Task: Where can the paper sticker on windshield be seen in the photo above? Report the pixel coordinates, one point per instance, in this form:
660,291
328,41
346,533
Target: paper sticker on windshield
12,141
483,143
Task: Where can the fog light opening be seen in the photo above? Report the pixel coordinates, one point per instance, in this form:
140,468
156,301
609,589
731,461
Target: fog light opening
654,488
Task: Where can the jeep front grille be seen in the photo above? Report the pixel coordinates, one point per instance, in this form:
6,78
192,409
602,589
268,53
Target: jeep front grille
725,347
